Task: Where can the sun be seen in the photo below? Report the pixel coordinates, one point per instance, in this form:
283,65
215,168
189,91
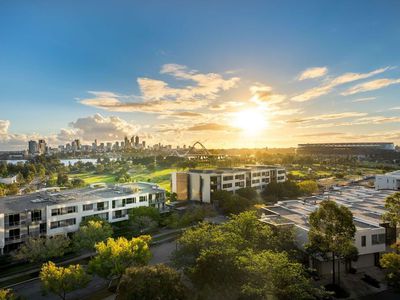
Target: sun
250,120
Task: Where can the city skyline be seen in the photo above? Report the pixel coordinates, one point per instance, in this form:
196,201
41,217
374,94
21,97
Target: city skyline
259,74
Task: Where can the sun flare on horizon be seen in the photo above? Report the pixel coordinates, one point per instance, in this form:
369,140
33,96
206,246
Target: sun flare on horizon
251,121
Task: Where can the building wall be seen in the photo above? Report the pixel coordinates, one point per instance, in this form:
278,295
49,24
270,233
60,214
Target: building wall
195,187
179,185
2,233
387,182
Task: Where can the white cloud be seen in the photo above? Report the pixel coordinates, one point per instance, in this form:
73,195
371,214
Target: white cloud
370,86
4,125
313,73
363,99
328,86
98,127
325,117
263,94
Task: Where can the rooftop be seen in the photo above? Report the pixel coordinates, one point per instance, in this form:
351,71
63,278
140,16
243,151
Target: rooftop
366,204
233,170
46,197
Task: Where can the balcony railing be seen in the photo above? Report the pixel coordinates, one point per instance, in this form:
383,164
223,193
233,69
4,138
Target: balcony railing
15,238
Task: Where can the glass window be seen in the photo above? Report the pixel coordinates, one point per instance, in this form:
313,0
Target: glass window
87,207
377,239
363,241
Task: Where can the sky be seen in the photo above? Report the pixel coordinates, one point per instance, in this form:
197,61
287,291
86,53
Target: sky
230,74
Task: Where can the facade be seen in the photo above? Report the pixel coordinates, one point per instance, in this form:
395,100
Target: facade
372,237
198,185
52,212
32,147
388,181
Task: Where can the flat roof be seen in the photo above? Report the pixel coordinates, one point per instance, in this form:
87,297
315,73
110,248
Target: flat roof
233,170
41,199
366,204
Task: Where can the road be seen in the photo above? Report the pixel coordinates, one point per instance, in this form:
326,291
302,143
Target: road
32,290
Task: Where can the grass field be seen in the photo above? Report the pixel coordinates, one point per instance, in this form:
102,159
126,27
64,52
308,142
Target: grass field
90,178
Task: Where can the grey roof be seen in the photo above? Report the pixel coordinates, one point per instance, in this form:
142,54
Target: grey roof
42,199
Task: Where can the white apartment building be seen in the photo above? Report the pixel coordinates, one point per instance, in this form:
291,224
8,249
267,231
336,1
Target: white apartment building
388,181
198,185
373,236
54,212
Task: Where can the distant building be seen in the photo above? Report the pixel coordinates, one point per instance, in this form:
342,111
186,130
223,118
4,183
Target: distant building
33,147
388,181
143,144
42,147
8,180
198,185
373,236
137,141
55,212
346,149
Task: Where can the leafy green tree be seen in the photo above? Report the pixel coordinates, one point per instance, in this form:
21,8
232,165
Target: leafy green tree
249,193
331,227
392,215
308,187
144,211
42,249
391,262
62,179
275,191
232,203
115,255
77,182
91,232
7,294
273,275
151,282
62,280
141,224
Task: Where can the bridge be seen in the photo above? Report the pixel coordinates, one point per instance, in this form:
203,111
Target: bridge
193,153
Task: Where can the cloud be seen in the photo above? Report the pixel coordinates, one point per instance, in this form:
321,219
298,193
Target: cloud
157,96
226,106
263,94
98,127
363,99
4,125
325,117
373,120
319,134
330,84
395,108
370,86
210,127
313,73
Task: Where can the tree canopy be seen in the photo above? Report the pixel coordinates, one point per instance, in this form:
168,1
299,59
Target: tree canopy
392,205
151,282
91,232
62,280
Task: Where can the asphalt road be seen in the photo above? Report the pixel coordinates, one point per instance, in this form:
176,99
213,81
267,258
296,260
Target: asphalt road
32,290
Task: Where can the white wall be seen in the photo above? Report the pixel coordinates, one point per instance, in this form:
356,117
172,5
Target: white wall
387,182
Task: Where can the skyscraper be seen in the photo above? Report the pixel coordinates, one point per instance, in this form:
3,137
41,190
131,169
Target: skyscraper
32,147
42,147
137,141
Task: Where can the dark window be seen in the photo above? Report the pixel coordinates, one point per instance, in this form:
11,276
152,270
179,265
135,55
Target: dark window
13,219
377,239
36,215
87,207
363,241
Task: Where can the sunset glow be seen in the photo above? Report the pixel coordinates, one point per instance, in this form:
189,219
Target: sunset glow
251,120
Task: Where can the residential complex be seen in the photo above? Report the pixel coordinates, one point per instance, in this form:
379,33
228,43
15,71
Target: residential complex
198,185
388,181
373,236
51,212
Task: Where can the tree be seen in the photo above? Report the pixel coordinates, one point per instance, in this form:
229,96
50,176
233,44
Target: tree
145,211
151,282
91,232
248,193
331,228
77,182
42,249
232,203
275,191
392,215
7,294
308,187
391,262
115,255
62,280
142,224
274,275
62,178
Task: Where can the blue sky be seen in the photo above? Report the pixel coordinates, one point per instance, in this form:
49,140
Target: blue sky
54,53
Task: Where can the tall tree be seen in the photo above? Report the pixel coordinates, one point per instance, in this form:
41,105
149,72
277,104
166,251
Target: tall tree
392,215
91,232
331,227
115,255
391,262
7,294
42,249
62,280
151,282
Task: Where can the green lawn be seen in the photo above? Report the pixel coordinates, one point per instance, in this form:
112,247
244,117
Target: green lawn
90,178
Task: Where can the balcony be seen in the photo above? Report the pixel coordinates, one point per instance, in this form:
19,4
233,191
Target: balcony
15,223
15,238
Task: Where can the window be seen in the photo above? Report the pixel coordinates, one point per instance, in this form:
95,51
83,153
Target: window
363,241
103,216
63,223
377,239
87,207
256,174
36,215
102,205
255,181
118,203
63,210
14,233
239,177
117,214
227,178
142,198
227,185
13,220
131,200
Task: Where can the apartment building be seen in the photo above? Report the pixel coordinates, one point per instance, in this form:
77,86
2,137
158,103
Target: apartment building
198,185
53,212
372,238
388,181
